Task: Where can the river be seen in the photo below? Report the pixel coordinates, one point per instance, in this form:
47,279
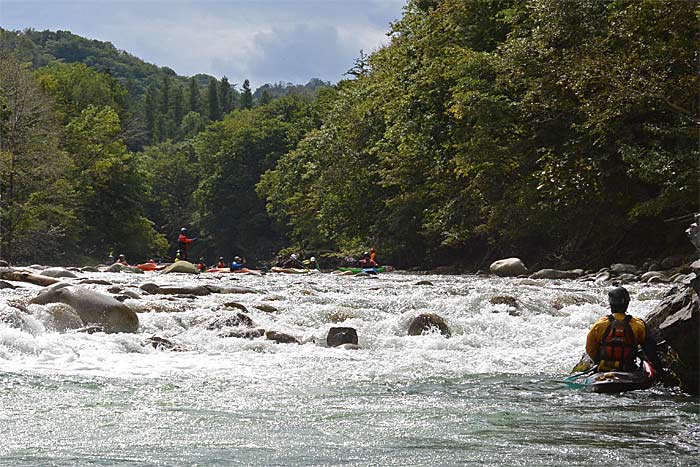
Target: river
488,395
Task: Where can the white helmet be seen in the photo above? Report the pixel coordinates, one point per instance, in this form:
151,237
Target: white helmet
294,256
313,259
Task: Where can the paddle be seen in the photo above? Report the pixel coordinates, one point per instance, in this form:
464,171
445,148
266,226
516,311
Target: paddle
590,371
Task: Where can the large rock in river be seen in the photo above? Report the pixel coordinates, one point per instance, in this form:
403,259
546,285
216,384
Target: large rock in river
57,272
675,323
508,267
341,335
428,322
199,290
181,266
93,307
556,274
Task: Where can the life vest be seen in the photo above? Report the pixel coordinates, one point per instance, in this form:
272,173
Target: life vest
619,346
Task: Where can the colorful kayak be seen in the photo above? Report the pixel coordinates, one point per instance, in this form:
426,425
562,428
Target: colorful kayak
228,270
614,381
367,270
290,270
147,266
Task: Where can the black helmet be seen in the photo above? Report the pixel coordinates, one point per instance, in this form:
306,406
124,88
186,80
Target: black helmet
619,296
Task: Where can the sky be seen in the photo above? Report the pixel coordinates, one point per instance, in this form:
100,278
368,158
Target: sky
266,41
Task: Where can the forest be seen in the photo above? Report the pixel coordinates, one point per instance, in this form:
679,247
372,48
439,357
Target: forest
565,133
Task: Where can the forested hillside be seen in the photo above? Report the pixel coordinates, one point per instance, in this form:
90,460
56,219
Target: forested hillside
561,132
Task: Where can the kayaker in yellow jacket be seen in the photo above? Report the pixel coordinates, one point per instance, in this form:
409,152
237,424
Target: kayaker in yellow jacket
614,340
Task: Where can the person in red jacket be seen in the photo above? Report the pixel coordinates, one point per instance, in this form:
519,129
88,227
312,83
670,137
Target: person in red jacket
183,242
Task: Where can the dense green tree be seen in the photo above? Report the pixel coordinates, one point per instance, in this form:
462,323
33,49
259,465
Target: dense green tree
213,106
37,220
109,186
193,96
172,176
246,96
233,154
226,96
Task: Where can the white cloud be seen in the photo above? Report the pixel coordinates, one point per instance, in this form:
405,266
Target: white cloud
264,40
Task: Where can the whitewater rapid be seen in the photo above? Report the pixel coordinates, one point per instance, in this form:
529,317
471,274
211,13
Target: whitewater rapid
235,401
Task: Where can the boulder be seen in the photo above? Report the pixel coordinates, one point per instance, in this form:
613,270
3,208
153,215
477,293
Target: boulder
627,277
181,266
117,267
94,308
6,285
602,276
230,321
655,276
280,337
10,274
89,269
161,343
196,290
424,283
266,308
428,322
4,264
57,272
244,333
675,323
672,262
504,300
620,268
341,335
237,290
509,267
240,306
556,274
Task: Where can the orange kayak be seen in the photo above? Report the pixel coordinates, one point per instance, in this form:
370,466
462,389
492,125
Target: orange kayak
147,266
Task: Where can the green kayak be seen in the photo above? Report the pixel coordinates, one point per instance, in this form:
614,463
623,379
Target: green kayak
356,270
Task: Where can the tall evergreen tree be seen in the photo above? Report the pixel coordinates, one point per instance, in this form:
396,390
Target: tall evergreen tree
193,100
150,112
265,98
176,105
225,96
164,98
213,107
247,96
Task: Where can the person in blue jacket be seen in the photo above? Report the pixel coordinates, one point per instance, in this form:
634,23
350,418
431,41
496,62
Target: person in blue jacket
237,264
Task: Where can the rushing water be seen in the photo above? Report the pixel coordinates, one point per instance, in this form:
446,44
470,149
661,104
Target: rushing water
488,395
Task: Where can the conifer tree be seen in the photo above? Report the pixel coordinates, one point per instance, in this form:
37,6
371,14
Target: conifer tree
213,106
225,96
176,105
149,111
247,96
164,100
265,98
193,102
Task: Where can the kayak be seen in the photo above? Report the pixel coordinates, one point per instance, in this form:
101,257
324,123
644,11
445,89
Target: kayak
368,270
228,270
290,270
614,381
147,266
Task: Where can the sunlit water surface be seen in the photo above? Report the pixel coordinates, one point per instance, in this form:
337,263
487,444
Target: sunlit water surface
488,395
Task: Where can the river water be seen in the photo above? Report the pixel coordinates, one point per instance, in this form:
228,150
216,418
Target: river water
488,395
